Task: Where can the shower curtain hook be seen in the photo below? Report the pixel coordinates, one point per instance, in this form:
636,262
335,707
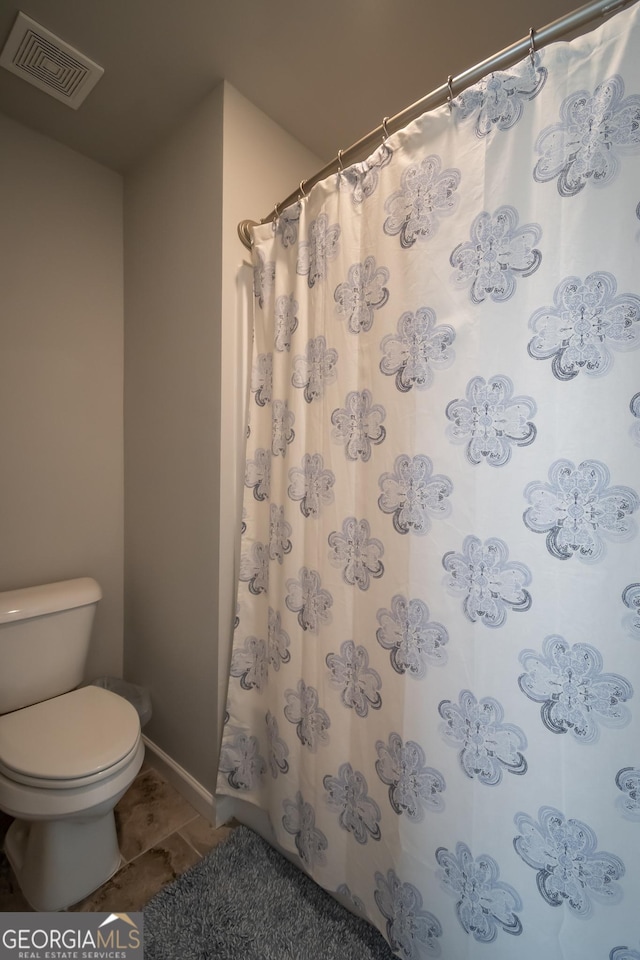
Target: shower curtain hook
532,48
385,132
450,95
301,188
340,165
276,208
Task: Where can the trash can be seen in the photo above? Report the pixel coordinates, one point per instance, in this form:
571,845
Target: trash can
137,696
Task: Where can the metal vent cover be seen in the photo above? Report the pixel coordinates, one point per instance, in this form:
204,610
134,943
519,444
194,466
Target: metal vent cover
39,57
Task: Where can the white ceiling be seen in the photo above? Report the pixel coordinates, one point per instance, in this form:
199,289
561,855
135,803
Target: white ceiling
328,71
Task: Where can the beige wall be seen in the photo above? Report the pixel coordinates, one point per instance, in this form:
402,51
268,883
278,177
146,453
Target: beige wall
173,210
61,373
185,350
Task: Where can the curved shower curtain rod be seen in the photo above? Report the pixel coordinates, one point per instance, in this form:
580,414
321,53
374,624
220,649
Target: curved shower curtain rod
499,61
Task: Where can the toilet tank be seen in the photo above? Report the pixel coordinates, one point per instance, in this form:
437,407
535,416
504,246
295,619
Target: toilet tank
44,640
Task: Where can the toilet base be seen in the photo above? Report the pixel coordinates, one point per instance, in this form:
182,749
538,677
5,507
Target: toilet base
59,862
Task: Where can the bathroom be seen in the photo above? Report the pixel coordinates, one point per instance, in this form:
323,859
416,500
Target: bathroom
122,387
124,349
86,392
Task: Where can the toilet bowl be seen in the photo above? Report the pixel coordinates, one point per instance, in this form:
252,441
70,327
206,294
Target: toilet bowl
64,764
66,759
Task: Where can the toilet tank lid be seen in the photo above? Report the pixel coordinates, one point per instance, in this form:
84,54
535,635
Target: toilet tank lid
31,602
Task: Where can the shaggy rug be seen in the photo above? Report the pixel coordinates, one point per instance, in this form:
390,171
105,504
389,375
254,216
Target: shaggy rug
244,901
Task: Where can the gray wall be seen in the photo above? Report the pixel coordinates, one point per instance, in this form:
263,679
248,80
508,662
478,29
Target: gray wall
61,375
173,213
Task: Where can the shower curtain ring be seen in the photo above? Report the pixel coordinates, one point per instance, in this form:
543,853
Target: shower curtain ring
276,208
385,132
532,47
450,94
301,188
340,165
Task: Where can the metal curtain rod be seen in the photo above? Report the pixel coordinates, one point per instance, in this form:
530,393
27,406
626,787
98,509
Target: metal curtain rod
499,61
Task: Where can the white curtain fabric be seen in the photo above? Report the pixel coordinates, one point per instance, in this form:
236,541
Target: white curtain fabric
435,679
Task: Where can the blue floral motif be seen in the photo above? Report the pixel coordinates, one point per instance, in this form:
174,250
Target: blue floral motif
257,475
631,599
413,786
312,485
418,348
634,406
587,321
320,247
282,432
264,274
279,534
578,508
358,683
490,583
491,420
624,953
309,600
498,100
484,904
357,812
363,292
250,664
241,761
487,745
311,721
427,193
254,568
286,226
357,553
286,322
358,425
315,370
413,495
593,132
300,821
570,869
628,781
278,641
356,902
499,251
412,932
262,379
363,177
414,640
574,693
278,750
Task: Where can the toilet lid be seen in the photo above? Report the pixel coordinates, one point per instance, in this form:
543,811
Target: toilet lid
76,735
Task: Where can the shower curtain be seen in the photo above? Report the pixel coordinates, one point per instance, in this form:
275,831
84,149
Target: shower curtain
435,680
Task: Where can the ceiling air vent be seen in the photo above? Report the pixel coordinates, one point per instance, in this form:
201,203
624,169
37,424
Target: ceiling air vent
39,57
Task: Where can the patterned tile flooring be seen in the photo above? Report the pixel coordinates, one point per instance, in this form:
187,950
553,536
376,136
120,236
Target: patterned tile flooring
160,837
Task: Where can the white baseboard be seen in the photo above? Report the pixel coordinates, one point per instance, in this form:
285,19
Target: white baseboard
187,786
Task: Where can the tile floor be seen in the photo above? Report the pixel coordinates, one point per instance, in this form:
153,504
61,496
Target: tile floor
160,836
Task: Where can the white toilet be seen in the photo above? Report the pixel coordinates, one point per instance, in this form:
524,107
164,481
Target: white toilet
66,755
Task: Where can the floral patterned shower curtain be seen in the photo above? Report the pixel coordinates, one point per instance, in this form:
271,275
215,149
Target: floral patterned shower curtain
435,679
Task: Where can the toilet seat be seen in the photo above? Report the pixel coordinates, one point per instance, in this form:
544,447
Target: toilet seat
70,741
